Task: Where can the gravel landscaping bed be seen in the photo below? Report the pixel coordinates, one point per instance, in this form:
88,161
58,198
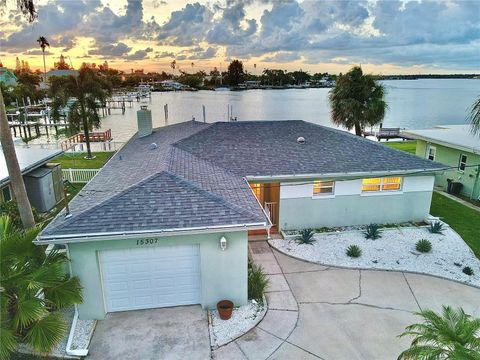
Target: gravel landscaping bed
83,333
243,319
395,250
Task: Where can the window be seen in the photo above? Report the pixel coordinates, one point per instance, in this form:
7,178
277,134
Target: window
6,194
382,184
432,152
462,162
321,188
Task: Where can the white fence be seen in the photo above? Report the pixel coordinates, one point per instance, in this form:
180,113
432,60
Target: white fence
79,175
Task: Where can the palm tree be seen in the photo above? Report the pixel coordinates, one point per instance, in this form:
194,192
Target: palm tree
89,91
357,100
34,287
43,42
14,172
474,117
451,335
26,7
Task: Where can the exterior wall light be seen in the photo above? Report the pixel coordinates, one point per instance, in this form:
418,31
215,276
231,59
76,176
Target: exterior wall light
223,243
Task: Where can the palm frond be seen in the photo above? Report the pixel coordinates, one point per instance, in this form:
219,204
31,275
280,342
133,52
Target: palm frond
27,311
65,294
8,343
46,333
474,117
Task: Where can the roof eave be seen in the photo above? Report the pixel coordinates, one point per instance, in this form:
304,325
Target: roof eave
345,174
441,142
76,238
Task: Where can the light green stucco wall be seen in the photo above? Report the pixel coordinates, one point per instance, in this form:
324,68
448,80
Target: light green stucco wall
449,156
223,273
301,213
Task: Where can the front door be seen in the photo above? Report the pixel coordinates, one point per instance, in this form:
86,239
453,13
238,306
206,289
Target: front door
268,195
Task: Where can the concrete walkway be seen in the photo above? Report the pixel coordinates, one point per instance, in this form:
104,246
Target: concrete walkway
318,312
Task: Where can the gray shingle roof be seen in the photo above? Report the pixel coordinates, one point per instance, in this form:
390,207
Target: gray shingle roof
195,177
264,148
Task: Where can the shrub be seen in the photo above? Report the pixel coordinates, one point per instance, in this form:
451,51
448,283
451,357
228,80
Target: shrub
257,282
10,209
306,237
436,227
423,245
354,251
373,232
468,270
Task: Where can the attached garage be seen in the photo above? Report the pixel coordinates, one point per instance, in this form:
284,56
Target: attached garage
151,277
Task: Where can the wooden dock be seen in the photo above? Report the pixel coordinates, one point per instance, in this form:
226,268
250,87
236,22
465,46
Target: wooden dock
386,134
80,138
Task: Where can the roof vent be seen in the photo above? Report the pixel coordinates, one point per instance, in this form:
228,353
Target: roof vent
153,146
301,140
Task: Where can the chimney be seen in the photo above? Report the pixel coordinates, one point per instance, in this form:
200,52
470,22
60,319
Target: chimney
144,121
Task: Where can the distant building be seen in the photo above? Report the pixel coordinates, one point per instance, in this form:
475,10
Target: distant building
62,73
7,76
456,146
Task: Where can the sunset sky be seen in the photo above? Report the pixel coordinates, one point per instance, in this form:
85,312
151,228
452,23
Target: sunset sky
383,36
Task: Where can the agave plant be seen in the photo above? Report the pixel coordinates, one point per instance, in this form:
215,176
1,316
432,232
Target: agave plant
306,237
453,334
436,227
373,232
33,287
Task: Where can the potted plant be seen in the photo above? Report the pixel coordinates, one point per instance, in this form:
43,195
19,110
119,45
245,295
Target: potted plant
225,308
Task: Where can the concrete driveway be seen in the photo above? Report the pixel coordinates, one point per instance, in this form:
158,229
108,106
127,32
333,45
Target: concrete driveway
317,312
166,333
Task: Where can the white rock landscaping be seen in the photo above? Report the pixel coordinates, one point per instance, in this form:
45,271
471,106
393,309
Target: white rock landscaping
395,250
243,319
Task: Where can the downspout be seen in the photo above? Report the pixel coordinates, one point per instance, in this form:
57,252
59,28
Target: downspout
68,349
476,184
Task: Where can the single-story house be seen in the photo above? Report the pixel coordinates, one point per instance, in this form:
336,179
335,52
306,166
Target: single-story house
456,146
165,222
43,181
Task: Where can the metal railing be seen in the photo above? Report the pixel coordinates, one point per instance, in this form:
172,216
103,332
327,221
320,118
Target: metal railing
79,175
271,209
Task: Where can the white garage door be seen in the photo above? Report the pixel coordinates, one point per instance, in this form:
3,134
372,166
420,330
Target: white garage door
151,277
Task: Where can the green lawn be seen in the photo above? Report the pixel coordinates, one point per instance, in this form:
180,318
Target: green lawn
461,218
77,161
408,146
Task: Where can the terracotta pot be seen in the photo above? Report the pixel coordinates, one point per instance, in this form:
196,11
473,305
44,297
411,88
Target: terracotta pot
225,308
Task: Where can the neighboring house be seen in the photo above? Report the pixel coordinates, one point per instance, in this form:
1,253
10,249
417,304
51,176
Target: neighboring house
7,77
166,220
43,181
456,146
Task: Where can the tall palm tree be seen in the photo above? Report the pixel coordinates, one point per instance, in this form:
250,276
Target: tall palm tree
34,287
27,8
43,42
88,91
449,335
357,100
14,172
474,117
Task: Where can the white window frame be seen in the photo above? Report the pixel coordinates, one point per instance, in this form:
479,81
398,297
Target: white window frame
460,162
434,148
323,195
382,183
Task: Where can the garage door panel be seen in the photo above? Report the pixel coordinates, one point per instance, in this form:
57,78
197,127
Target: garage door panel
154,277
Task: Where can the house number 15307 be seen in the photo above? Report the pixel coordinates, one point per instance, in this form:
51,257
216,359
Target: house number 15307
147,241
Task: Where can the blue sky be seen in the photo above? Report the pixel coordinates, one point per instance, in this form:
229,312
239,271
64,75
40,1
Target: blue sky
384,36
